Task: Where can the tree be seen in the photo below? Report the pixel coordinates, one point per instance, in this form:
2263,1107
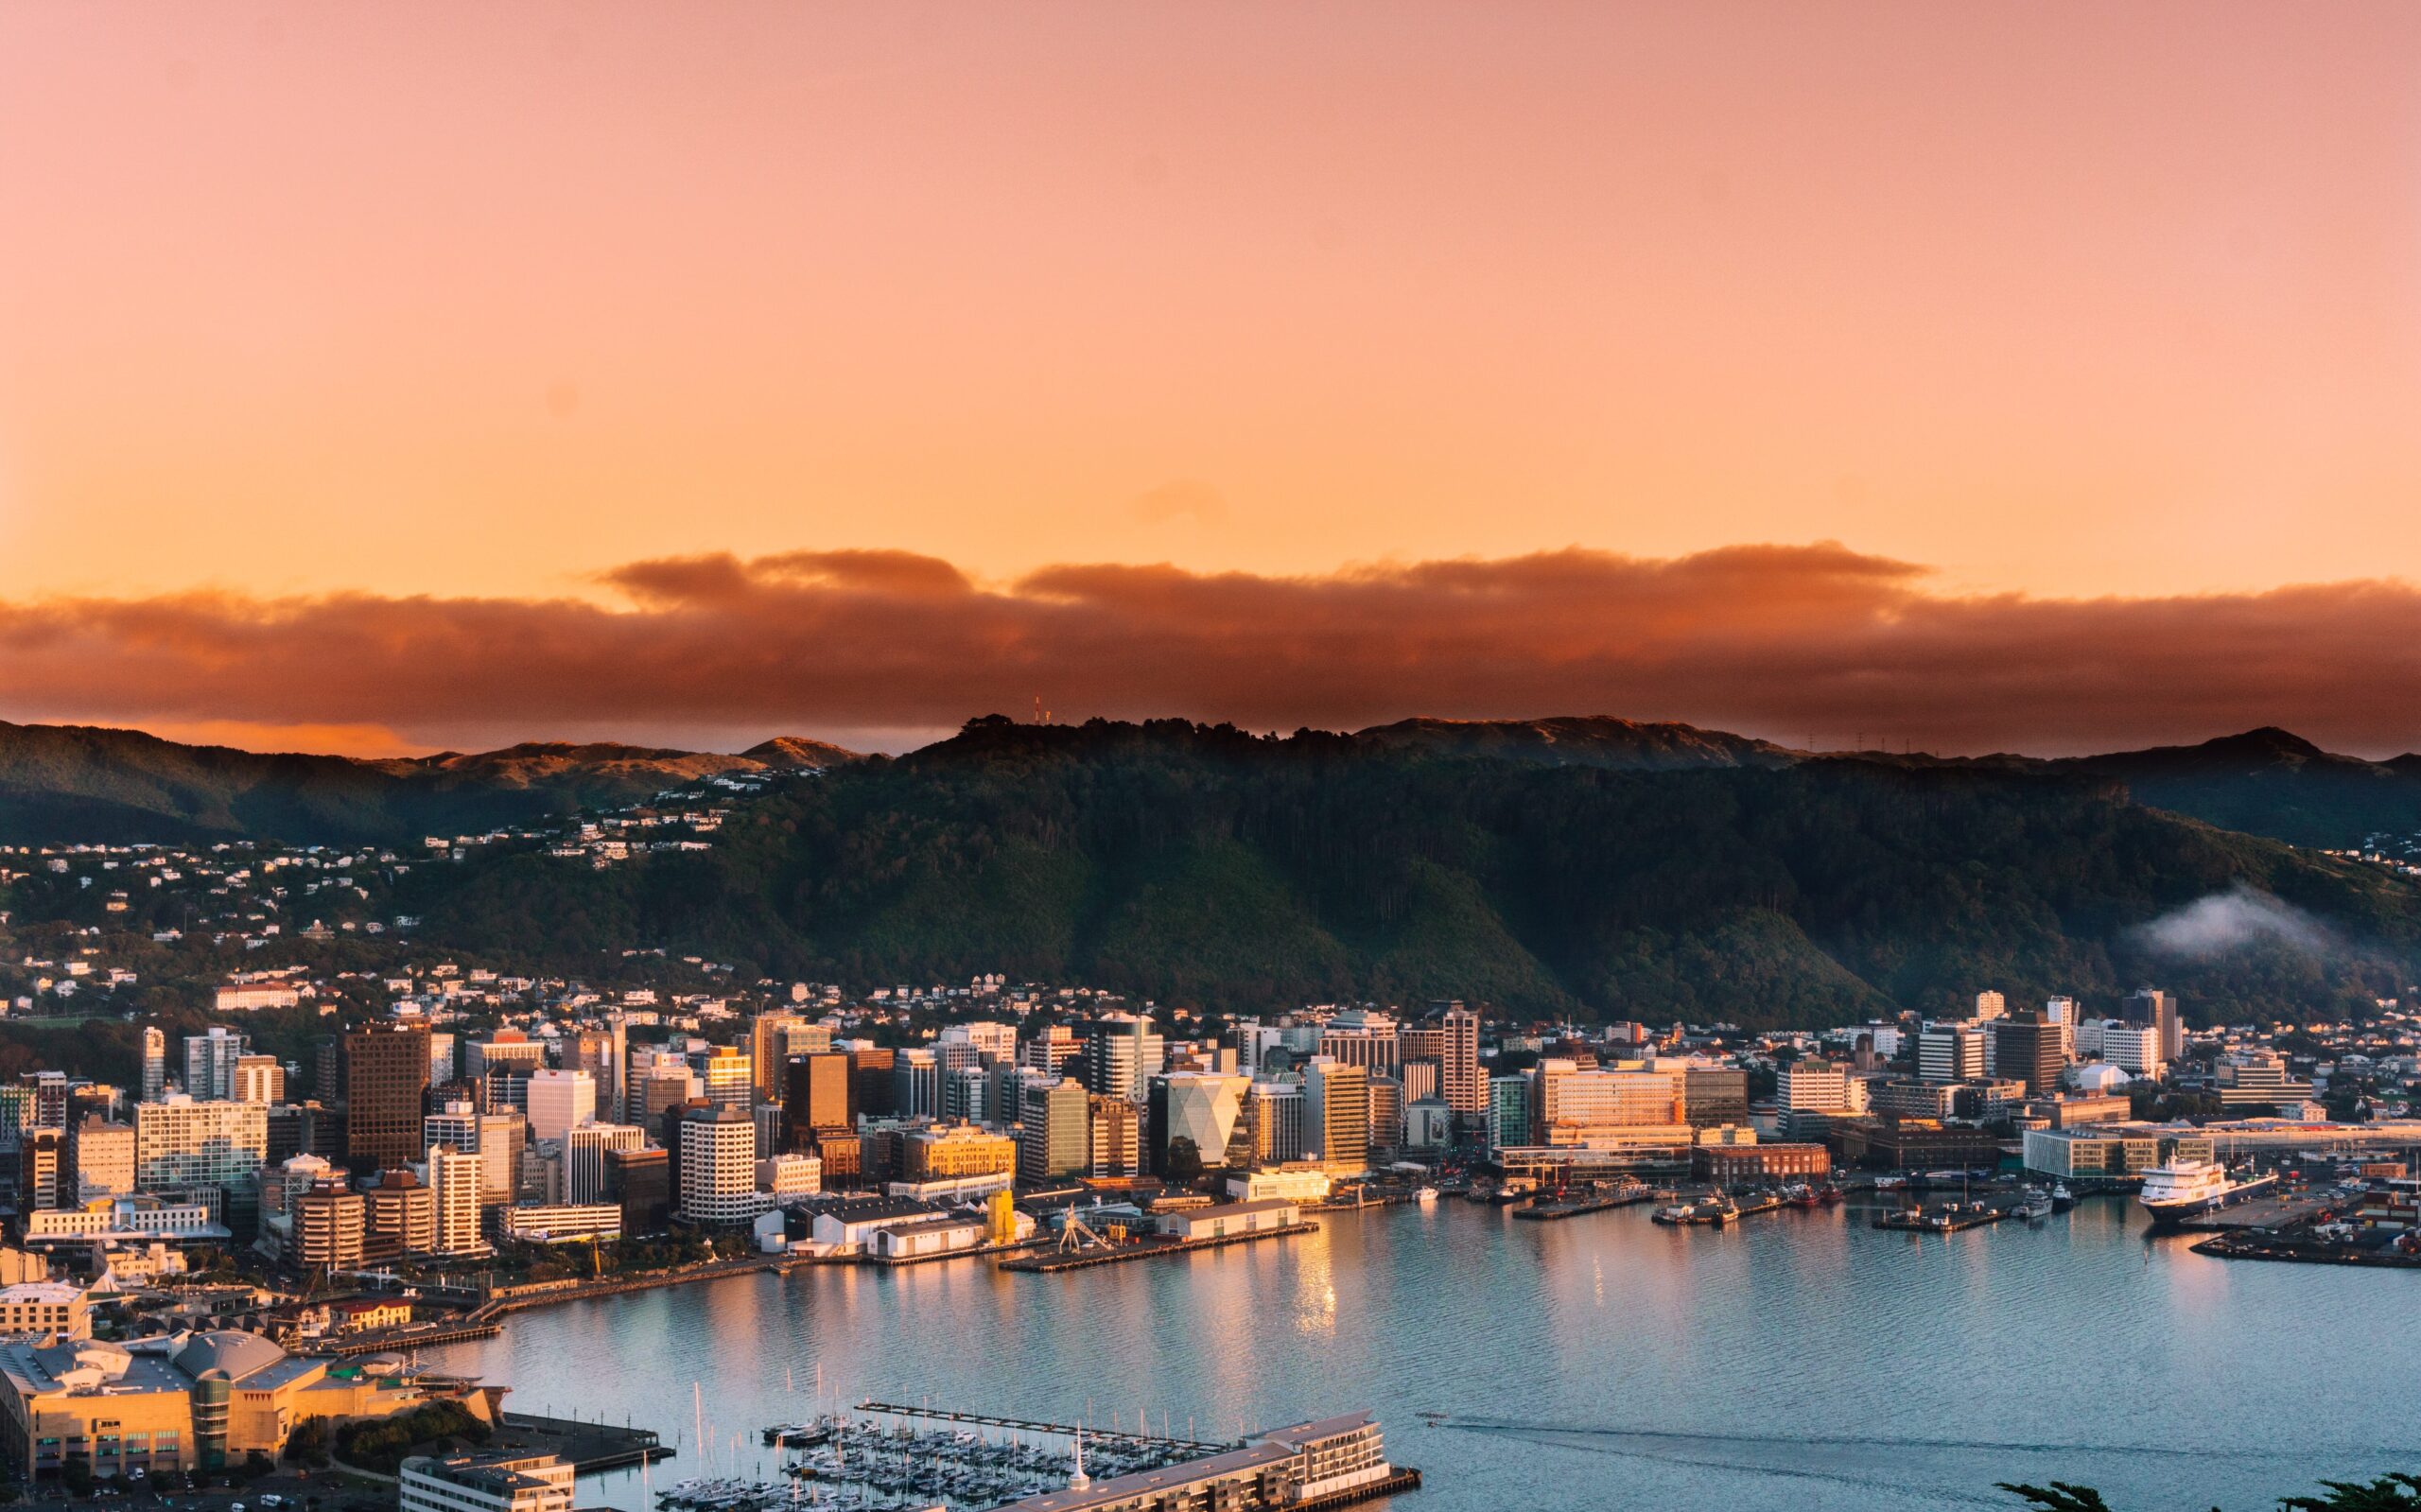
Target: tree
2058,1497
2389,1493
1184,1162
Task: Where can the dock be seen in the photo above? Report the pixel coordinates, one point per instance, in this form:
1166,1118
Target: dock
591,1447
1956,1218
1095,1434
1543,1211
413,1336
1154,1248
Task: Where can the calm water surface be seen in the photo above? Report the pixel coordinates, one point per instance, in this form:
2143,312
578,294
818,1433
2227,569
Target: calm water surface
1795,1363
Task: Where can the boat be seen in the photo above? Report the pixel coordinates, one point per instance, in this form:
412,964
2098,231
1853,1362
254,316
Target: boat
2184,1189
1425,1195
2035,1204
2062,1198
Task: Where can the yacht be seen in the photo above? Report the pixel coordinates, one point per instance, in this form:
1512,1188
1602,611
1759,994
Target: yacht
2188,1188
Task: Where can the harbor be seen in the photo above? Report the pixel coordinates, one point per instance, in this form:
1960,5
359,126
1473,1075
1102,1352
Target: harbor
1148,1246
1544,1209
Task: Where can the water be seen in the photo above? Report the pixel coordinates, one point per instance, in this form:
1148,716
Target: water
1794,1363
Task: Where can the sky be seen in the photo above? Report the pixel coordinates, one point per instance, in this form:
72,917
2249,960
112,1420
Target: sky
1988,376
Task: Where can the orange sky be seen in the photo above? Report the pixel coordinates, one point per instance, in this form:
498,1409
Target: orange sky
472,300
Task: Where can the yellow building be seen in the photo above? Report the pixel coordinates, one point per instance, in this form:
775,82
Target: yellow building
957,1150
46,1307
182,1400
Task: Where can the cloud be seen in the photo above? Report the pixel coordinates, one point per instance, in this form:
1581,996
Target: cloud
2228,921
1785,641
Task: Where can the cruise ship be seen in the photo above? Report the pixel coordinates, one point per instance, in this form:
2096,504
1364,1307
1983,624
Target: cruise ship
2188,1188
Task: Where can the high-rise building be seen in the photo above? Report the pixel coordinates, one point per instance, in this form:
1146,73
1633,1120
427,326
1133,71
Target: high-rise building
1465,1088
330,1222
44,1177
2030,1048
210,1064
992,1041
184,1145
1387,1115
1054,1129
1364,1038
1810,1094
259,1079
594,1051
870,1089
1337,1114
642,1181
2149,1005
1052,1049
815,1096
1204,1109
459,1186
559,1102
1950,1052
769,1051
1989,1006
719,1166
155,1064
507,1049
916,1083
1509,1111
103,1156
729,1074
1713,1096
1122,1053
385,1088
1280,1128
1114,1141
586,1148
399,1217
2133,1047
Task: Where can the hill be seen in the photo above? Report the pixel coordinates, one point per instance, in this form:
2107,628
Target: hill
1203,865
69,783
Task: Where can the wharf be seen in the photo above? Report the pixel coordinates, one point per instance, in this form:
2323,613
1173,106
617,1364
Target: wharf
2299,1250
591,1447
1023,1425
1403,1478
414,1336
1152,1248
1539,1210
2263,1212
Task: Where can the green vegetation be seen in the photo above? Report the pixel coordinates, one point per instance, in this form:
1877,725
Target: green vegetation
1203,866
382,1444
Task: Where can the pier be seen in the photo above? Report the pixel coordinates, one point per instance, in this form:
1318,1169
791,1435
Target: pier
1544,1209
1148,1248
1026,1425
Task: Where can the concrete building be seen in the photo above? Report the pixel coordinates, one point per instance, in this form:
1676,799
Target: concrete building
1114,1138
560,1100
1950,1052
1122,1053
386,1090
718,1177
485,1482
210,1063
103,1156
182,1145
1337,1114
1054,1137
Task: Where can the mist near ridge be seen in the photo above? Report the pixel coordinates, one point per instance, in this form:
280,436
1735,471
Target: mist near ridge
2222,923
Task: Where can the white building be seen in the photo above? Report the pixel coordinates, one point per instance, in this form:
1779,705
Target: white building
719,1167
560,1100
486,1482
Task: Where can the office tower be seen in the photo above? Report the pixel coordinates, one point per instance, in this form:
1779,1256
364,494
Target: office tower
259,1079
507,1049
2029,1047
2151,1006
50,1091
461,1187
1465,1088
182,1145
966,1094
441,1057
456,1125
1950,1052
1279,1126
916,1083
1713,1096
2133,1048
1114,1141
1387,1115
327,1070
815,1098
399,1217
385,1088
330,1222
155,1064
719,1166
1123,1051
992,1041
1204,1109
1337,1114
585,1147
1364,1038
618,1092
1810,1094
103,1157
1509,1111
769,1051
210,1064
1054,1138
730,1075
768,1129
1052,1049
592,1051
560,1100
1989,1006
45,1179
642,1181
870,1089
667,1085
